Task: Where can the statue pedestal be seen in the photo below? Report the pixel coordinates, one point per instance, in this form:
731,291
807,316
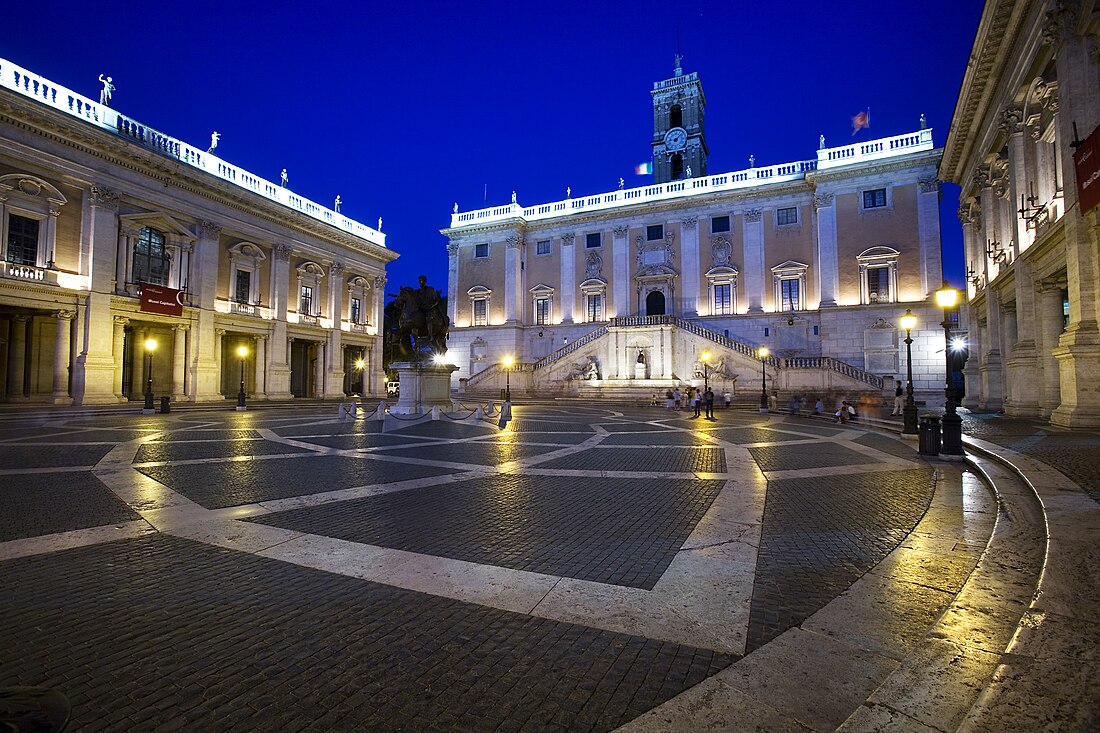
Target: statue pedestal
639,371
423,386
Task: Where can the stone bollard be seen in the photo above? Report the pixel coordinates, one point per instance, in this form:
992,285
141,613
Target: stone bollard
479,413
354,409
436,412
491,409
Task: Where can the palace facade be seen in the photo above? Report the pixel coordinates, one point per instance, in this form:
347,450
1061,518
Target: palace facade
814,259
130,256
1025,149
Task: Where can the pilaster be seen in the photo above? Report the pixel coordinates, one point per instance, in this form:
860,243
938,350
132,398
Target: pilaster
689,258
620,267
61,354
568,278
928,232
93,368
205,384
513,280
827,276
753,228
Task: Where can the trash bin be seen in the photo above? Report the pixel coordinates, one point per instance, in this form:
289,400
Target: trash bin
164,408
929,434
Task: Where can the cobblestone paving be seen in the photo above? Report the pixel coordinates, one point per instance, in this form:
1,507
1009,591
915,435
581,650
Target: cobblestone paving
163,632
40,456
887,444
782,458
674,459
216,485
819,537
616,531
167,634
35,504
196,448
1073,452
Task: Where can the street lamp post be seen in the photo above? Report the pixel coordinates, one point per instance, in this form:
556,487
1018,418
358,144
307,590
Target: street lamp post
946,298
360,364
507,379
242,352
909,422
763,379
150,347
705,358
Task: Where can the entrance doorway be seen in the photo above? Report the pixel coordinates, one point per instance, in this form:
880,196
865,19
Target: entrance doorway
655,303
301,368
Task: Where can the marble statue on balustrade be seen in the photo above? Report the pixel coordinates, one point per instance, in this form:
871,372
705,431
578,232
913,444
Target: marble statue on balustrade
105,93
336,204
284,179
214,138
422,322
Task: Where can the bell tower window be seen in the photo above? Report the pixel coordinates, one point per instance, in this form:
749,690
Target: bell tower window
677,167
676,116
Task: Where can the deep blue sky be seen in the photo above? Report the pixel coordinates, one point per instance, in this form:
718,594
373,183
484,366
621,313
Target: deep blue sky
405,108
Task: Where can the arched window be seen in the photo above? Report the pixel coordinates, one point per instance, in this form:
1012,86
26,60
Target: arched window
151,261
677,167
676,116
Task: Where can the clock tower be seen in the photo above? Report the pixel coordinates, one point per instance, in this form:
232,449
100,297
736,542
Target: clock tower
679,137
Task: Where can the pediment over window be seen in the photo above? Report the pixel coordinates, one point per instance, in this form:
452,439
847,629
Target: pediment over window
479,290
593,284
541,289
878,253
32,186
247,250
790,266
159,221
311,269
358,282
722,272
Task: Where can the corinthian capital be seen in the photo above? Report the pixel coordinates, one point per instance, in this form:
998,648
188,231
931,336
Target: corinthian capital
452,250
104,198
823,200
752,216
620,231
209,229
282,252
515,240
929,185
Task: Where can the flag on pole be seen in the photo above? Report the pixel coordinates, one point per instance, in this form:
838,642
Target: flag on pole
643,169
860,121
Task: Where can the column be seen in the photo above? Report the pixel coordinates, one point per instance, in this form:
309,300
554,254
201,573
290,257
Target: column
1050,328
1078,352
94,366
259,363
452,283
992,385
17,358
568,278
689,259
377,377
971,371
928,228
61,354
827,276
753,228
513,280
219,335
334,368
319,372
620,268
179,356
278,366
118,349
205,382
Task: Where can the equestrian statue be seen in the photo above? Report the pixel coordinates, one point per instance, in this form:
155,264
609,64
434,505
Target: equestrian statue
422,322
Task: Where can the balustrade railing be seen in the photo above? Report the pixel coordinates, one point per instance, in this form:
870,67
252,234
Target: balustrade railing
19,80
306,320
748,178
570,347
28,273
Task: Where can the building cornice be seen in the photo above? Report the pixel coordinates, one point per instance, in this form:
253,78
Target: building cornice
58,128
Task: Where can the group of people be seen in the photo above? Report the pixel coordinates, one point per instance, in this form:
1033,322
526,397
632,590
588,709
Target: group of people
698,399
845,412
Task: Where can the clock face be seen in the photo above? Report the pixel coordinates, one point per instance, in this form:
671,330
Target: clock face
675,138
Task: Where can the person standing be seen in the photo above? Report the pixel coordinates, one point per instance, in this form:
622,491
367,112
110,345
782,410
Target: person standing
899,400
728,398
708,403
676,397
696,401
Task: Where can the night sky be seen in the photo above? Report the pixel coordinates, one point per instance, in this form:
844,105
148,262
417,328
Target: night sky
404,109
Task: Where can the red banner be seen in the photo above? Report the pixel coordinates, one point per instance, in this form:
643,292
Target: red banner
1086,162
159,299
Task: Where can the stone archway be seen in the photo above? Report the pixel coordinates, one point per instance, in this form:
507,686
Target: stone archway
655,303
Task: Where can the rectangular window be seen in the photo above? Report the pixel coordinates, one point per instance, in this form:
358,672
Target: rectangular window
786,216
481,250
356,311
481,312
243,286
542,311
655,232
22,240
874,199
543,247
719,224
723,305
595,308
789,294
592,240
878,284
305,303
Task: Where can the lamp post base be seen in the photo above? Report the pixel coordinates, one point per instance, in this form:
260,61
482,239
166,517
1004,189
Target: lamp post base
909,420
952,433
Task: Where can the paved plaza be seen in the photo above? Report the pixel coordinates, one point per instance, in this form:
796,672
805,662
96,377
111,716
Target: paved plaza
582,569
